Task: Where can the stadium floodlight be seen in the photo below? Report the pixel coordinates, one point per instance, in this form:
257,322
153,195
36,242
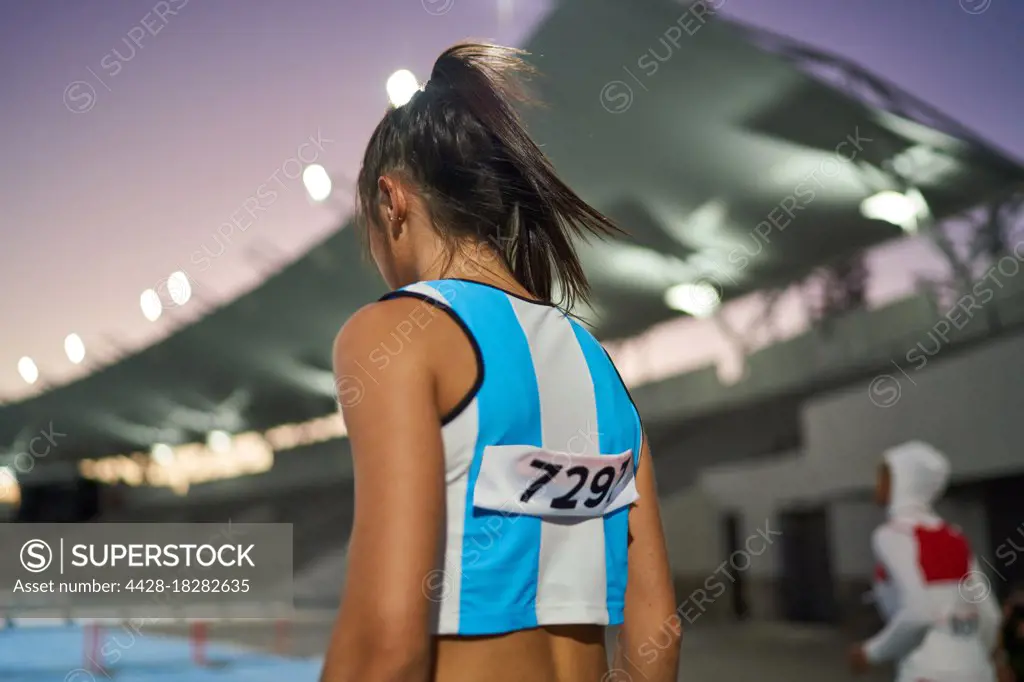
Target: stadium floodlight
162,453
151,305
219,441
179,287
317,182
902,210
74,347
698,299
401,86
28,370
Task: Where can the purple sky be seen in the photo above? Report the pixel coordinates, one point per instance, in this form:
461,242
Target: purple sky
103,203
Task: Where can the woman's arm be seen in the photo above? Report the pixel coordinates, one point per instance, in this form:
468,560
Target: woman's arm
383,630
897,551
652,630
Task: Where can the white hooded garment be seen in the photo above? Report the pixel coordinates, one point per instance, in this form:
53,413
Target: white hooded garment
941,621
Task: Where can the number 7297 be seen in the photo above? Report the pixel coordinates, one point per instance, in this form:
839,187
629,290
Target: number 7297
602,482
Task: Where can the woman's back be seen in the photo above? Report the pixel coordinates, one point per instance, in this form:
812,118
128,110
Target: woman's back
539,462
558,653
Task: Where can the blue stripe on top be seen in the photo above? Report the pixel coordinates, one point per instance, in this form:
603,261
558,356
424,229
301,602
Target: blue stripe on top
618,427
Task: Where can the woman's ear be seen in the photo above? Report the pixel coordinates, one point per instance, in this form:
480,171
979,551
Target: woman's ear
394,198
384,188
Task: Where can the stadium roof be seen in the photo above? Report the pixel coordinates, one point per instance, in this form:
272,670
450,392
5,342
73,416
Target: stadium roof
711,143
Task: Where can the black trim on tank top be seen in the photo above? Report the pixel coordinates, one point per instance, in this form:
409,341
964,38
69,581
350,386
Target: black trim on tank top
468,398
548,304
621,380
504,291
639,419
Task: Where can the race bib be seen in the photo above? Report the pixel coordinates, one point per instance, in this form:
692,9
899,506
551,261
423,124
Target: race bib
962,622
524,479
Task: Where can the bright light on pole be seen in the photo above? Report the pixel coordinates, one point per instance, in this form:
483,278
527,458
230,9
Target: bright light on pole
151,305
401,86
219,441
179,287
317,182
162,453
28,370
902,210
700,299
74,347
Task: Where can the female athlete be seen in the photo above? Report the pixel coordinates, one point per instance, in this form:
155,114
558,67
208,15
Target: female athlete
505,506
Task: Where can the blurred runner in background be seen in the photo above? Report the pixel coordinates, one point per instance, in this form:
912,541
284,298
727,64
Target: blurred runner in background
941,627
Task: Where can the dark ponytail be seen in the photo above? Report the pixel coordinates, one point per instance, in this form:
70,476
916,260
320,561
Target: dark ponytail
461,142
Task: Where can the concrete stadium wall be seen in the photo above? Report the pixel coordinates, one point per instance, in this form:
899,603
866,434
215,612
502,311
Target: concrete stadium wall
693,533
756,492
967,405
851,522
694,515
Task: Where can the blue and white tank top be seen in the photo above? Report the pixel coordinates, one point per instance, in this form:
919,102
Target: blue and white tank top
539,468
